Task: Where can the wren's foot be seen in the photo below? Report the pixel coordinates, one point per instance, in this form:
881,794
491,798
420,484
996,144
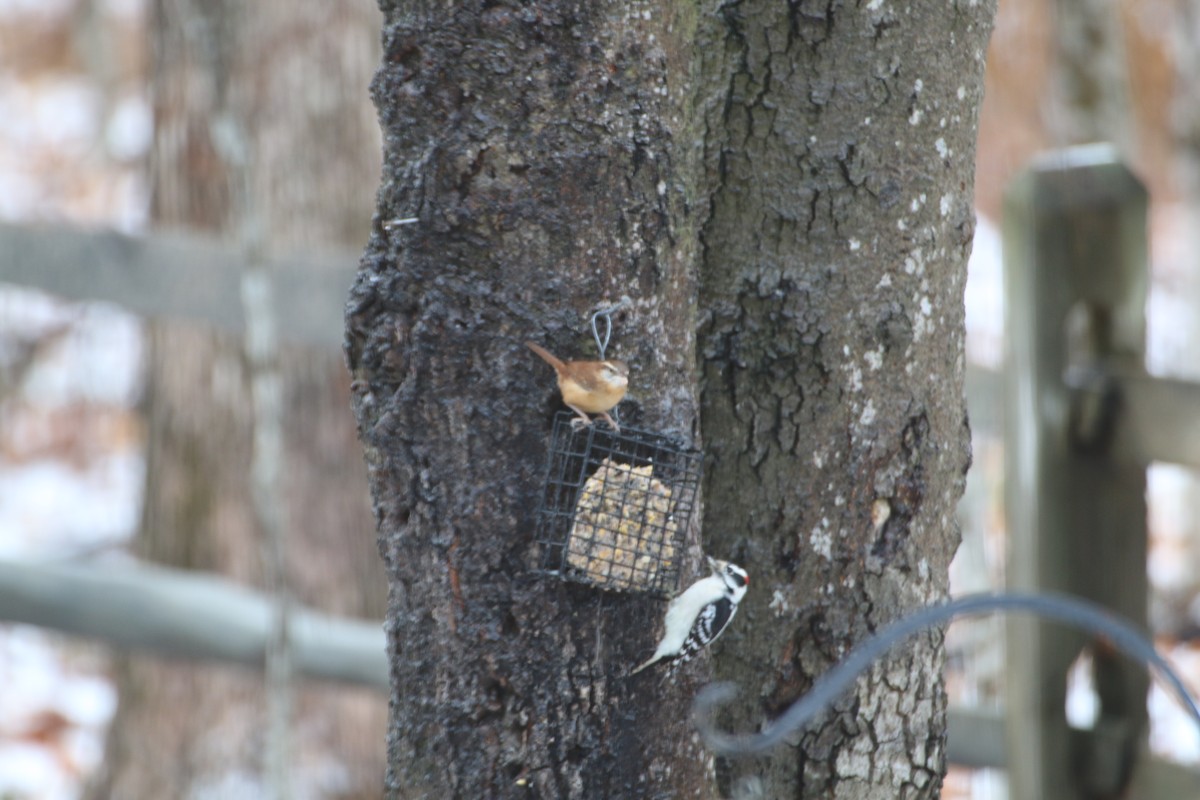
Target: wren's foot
612,422
581,421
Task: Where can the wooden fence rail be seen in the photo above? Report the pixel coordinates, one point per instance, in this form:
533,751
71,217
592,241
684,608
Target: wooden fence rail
198,278
179,275
186,615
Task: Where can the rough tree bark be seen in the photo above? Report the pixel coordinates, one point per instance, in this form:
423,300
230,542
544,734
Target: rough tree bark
292,77
530,143
840,149
806,173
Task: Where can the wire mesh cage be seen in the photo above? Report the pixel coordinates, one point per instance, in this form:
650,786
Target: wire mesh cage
615,506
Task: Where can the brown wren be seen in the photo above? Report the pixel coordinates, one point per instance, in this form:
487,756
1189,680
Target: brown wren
589,387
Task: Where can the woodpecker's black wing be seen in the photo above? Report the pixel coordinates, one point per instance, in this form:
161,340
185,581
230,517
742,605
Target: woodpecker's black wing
709,624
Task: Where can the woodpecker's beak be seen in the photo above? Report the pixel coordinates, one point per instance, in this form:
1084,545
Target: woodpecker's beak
712,564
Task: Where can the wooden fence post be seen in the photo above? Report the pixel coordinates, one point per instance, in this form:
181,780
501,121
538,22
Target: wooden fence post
1075,283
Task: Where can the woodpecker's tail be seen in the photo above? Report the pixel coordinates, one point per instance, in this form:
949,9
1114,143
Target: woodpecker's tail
642,666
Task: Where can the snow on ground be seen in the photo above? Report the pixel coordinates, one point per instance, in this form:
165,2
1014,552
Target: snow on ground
52,717
984,297
71,464
1173,733
71,477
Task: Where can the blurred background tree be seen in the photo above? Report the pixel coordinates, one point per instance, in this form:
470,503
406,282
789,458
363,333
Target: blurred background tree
261,120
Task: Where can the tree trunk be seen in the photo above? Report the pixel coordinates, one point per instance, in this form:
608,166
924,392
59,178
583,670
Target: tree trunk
840,152
543,160
290,80
530,145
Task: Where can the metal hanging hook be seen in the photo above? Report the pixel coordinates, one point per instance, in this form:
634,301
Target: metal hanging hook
606,312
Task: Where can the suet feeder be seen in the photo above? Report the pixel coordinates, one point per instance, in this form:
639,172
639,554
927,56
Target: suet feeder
615,506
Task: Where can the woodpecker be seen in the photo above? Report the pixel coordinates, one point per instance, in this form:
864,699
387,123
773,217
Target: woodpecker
698,616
